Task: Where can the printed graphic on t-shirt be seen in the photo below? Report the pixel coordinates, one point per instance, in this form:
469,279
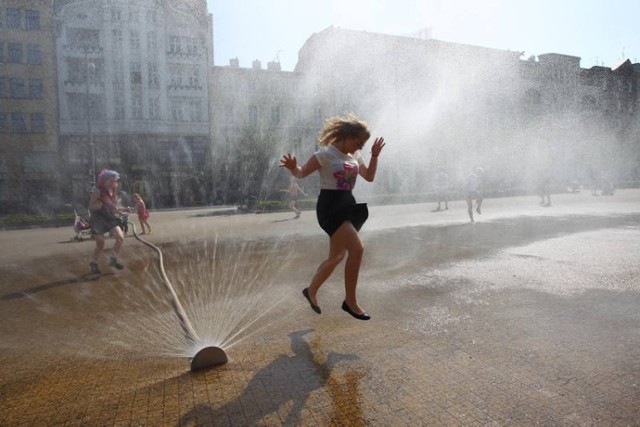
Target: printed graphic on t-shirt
346,178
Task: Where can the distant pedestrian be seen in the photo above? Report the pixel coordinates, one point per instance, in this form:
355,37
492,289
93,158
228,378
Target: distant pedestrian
593,175
294,191
339,161
104,209
544,187
441,185
143,213
473,190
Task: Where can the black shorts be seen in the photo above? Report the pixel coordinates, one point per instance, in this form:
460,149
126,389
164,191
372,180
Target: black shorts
334,207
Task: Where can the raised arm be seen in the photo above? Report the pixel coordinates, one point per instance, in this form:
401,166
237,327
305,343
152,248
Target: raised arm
369,172
290,162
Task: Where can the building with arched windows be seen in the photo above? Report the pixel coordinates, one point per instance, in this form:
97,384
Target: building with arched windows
133,95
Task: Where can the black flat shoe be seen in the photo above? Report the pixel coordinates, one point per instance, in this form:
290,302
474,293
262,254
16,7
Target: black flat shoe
314,307
363,316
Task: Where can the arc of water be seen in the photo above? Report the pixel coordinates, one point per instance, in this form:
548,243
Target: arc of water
187,328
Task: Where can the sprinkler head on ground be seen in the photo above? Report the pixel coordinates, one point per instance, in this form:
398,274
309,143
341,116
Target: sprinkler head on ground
208,357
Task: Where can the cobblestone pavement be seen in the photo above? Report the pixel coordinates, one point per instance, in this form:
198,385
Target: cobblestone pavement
528,316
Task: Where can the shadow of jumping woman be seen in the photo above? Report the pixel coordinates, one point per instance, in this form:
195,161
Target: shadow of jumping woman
288,380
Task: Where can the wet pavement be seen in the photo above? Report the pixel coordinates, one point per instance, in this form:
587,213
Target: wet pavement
528,316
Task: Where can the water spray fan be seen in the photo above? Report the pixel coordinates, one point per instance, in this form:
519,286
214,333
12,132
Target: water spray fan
205,357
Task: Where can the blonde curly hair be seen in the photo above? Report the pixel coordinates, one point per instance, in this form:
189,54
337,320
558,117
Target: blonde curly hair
339,128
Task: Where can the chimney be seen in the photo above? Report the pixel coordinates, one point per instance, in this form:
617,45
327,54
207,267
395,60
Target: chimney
256,65
274,66
234,62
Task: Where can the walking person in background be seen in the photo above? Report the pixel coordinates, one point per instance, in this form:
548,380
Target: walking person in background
339,161
442,189
294,191
104,209
473,190
143,213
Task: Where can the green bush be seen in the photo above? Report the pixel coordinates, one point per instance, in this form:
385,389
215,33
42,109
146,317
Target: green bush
36,220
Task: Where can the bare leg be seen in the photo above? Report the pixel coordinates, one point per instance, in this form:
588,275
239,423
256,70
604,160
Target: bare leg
117,234
470,208
99,247
355,249
336,255
142,227
479,205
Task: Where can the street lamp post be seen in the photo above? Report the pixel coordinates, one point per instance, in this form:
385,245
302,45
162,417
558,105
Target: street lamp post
92,148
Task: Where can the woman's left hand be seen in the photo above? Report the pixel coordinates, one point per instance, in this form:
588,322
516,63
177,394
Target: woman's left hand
377,147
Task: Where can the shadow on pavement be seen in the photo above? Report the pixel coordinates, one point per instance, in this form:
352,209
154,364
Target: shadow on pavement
85,278
286,379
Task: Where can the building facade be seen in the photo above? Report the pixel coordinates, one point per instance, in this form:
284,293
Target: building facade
29,169
131,86
455,107
133,96
258,114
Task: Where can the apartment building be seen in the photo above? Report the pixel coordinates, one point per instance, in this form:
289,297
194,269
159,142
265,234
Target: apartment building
133,95
29,168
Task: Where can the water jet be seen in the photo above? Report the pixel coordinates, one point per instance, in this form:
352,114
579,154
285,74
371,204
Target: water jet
206,357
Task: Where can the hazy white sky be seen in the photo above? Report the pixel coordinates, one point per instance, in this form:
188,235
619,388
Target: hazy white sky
598,31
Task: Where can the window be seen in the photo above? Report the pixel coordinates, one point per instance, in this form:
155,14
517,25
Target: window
17,89
194,78
136,74
192,45
154,108
15,53
37,123
34,54
116,15
133,15
119,107
14,18
3,91
176,75
176,111
174,44
154,77
151,16
4,123
136,106
32,20
116,37
134,40
195,110
18,123
35,88
152,42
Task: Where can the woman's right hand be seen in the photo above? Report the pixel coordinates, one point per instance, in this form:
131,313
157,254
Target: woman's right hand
288,161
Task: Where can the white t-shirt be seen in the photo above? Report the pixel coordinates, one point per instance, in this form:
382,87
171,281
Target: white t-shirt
338,171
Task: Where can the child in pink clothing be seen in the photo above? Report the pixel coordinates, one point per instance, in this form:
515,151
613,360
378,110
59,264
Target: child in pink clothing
143,213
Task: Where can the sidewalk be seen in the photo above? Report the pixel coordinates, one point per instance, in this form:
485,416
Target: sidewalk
529,316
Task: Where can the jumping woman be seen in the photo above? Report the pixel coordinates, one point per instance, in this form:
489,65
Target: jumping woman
339,161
